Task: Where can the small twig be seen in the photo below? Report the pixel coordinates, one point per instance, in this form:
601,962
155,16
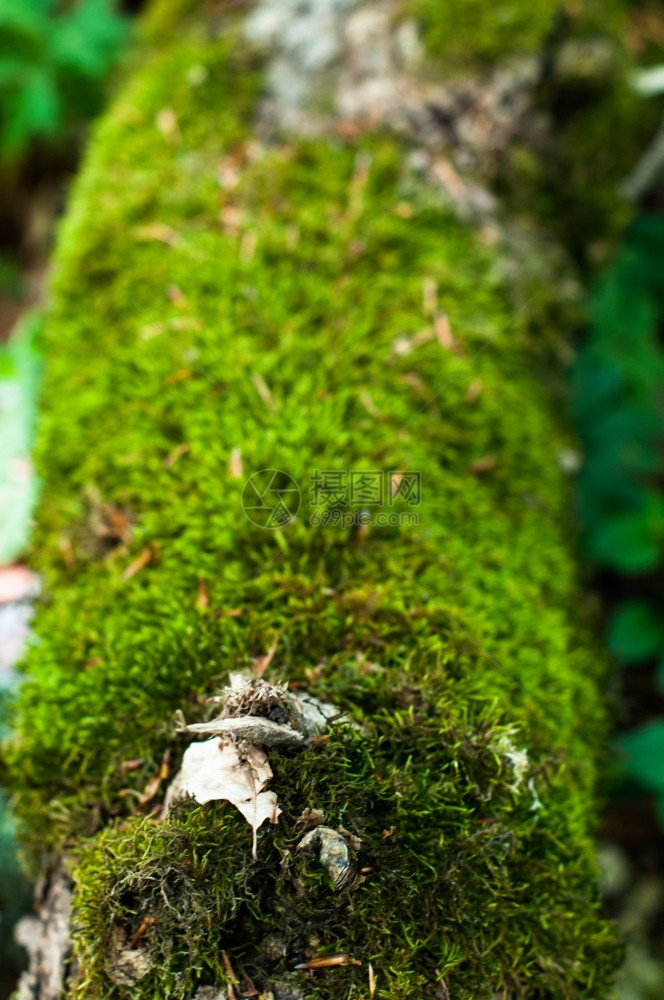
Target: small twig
148,922
326,961
230,973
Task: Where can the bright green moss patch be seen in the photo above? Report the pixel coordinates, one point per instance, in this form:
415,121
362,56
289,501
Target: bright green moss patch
212,294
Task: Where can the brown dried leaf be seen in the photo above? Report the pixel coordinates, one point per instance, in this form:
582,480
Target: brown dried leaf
309,819
178,451
327,961
261,663
444,332
214,770
138,564
263,390
149,792
372,982
235,468
203,598
484,464
131,765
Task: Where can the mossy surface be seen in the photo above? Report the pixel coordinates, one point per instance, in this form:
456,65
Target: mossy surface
459,34
464,32
189,318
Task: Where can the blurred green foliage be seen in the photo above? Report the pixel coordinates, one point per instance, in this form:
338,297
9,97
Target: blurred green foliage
618,407
617,386
54,58
643,749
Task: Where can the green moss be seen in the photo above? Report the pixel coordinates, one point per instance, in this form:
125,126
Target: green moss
301,276
462,33
454,826
469,30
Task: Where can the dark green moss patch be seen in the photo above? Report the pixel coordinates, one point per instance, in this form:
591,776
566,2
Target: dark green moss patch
439,823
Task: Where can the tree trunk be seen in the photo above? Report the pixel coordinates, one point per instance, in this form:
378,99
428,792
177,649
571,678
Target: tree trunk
283,254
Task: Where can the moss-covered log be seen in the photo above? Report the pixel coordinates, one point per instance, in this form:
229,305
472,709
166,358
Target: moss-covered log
263,271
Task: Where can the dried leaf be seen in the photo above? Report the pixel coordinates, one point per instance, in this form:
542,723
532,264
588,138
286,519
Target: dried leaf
138,564
253,728
131,765
423,336
328,961
178,451
484,464
215,770
444,333
372,982
309,819
261,663
232,219
235,464
228,968
263,390
203,598
151,789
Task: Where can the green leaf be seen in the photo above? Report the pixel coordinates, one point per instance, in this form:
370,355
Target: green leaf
642,751
34,110
634,633
88,37
626,542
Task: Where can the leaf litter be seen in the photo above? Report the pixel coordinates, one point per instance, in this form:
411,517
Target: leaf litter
232,765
